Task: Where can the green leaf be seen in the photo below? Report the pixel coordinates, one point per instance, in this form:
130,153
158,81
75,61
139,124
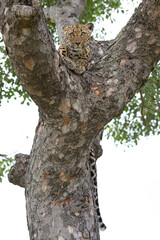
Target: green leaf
5,164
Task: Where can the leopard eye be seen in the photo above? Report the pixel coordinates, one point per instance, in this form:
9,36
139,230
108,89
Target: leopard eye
71,34
83,33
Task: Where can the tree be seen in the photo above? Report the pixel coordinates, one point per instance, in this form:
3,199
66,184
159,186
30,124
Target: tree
73,108
141,116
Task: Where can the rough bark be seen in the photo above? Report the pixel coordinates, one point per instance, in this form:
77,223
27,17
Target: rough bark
18,170
73,108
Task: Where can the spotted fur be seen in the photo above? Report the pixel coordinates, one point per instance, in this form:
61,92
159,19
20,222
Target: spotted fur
75,50
93,173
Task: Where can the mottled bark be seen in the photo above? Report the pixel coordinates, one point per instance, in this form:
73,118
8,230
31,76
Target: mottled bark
18,170
64,14
73,108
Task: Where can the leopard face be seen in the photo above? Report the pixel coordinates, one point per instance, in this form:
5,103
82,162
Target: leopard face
75,50
78,35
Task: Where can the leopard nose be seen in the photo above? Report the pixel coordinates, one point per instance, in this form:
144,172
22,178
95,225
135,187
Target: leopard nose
77,43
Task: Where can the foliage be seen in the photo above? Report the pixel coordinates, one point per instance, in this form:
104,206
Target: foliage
5,164
97,10
141,116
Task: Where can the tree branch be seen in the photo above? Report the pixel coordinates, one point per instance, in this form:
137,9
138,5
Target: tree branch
3,155
32,53
66,13
125,64
3,5
153,109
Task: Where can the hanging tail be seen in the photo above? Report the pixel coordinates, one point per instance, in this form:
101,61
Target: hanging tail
93,172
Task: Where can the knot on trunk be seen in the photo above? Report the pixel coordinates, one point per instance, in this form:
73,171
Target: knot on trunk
98,151
18,170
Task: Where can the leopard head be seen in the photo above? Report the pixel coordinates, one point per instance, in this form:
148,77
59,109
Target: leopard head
78,35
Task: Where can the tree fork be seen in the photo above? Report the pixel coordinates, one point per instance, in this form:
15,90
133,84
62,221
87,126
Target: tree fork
73,108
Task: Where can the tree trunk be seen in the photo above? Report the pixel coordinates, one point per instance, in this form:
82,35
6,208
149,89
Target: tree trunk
73,108
59,192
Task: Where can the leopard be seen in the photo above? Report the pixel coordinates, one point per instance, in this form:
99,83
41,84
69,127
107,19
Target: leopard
75,50
93,175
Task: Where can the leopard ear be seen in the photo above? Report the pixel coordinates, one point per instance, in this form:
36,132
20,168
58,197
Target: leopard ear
90,26
64,29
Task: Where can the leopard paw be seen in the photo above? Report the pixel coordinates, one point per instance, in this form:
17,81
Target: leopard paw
79,70
69,64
